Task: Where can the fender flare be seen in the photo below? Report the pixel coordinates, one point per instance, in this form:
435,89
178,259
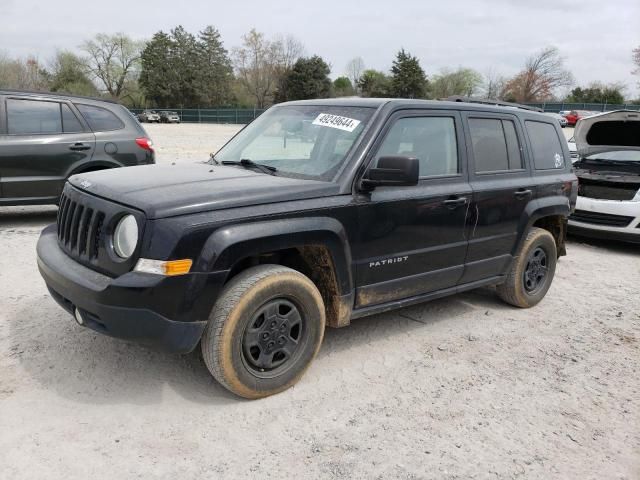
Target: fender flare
537,209
232,243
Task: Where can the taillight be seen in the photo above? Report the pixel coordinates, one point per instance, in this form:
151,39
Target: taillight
145,143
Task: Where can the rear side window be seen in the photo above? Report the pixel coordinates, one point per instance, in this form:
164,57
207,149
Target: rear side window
495,145
100,119
25,117
547,150
432,140
70,123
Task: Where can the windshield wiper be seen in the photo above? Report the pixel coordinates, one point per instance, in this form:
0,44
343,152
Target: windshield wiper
246,163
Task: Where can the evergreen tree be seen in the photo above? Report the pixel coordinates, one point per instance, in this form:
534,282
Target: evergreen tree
408,79
373,83
216,74
309,78
157,76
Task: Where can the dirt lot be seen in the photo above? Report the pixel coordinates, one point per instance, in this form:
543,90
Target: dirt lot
462,387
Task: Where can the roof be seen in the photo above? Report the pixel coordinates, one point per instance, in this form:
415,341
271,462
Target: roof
488,106
36,93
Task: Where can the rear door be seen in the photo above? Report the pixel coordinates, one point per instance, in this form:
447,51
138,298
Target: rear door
43,141
499,174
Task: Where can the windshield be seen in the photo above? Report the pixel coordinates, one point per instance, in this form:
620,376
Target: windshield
617,156
306,141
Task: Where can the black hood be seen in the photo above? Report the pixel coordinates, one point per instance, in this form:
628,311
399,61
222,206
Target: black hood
169,190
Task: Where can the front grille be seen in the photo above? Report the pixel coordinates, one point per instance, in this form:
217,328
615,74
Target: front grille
601,218
607,191
85,225
79,228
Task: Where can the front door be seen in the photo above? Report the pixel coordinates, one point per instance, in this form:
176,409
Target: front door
412,240
42,142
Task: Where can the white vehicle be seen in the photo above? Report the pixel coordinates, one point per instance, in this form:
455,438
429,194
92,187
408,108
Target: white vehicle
573,150
561,120
608,172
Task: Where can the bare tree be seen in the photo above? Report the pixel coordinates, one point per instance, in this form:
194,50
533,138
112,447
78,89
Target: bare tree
113,60
24,74
494,84
354,70
635,55
543,73
290,49
261,63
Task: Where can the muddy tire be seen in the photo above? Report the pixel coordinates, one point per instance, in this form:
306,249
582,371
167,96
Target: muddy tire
532,271
264,331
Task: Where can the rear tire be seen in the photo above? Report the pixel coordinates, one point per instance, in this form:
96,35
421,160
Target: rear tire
532,271
264,331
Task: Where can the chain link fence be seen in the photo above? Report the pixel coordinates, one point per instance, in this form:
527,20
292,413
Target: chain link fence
238,116
242,116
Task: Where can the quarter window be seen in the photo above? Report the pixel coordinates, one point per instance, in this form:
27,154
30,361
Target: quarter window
547,150
495,145
432,140
70,122
27,117
100,119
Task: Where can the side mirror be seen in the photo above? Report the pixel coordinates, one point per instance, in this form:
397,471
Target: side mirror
392,171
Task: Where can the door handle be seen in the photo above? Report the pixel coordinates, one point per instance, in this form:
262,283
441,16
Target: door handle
454,202
77,147
522,193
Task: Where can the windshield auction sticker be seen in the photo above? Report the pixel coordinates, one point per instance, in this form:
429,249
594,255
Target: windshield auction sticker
336,121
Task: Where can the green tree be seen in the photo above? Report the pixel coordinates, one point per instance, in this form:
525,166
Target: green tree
408,79
67,73
373,83
342,87
309,78
158,76
215,72
464,81
597,93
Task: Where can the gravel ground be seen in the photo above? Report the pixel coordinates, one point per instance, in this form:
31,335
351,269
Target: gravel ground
462,387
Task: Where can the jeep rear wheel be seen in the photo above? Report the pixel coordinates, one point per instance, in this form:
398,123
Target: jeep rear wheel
264,331
532,271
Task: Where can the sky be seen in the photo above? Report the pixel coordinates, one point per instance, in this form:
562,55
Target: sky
594,36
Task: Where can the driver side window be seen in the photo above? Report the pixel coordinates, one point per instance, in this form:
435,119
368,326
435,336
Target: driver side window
432,140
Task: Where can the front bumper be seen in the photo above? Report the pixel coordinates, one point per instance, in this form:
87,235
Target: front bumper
615,208
120,307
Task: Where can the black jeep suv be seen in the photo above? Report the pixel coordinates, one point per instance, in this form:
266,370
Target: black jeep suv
317,213
47,137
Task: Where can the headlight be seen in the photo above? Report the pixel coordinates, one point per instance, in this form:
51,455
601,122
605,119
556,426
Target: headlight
125,236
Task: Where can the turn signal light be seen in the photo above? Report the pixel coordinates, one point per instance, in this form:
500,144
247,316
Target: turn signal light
160,267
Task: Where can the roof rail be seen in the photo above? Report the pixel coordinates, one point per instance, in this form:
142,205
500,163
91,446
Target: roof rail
499,103
9,91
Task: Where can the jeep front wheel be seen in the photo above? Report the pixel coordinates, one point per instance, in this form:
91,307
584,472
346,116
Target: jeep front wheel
264,331
532,271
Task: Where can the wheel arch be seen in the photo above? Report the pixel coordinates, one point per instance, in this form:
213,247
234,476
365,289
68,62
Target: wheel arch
549,213
316,246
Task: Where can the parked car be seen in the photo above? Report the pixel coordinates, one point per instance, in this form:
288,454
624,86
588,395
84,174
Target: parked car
149,116
560,119
574,115
169,117
47,137
608,171
389,203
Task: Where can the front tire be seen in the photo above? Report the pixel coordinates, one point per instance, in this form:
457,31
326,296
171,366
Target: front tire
532,271
264,331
